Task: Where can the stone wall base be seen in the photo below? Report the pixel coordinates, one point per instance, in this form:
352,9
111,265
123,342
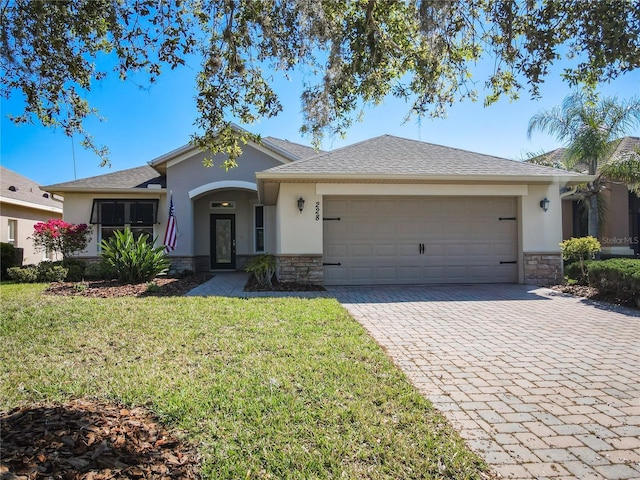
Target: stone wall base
181,264
300,269
543,268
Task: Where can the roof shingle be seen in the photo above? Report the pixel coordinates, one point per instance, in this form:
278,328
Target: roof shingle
16,187
296,149
139,177
390,155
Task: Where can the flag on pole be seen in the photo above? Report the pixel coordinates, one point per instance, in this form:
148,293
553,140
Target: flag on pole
171,234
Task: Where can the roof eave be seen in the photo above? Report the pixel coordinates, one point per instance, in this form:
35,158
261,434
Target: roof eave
60,191
35,206
324,177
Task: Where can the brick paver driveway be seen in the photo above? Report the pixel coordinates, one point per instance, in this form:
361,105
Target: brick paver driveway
541,385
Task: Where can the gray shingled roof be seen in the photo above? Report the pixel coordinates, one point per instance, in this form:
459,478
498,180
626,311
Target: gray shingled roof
26,190
139,177
626,146
623,147
296,149
390,155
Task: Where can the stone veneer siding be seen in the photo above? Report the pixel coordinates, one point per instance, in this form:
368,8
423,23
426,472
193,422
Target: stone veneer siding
300,268
543,268
180,264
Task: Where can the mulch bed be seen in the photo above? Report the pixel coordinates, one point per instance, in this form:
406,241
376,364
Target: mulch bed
252,285
84,439
592,293
164,287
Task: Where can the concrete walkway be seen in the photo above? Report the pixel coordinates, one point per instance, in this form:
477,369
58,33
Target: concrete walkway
231,284
541,385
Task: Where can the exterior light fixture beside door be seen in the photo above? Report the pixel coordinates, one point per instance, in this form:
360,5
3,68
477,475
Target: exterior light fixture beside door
301,204
544,204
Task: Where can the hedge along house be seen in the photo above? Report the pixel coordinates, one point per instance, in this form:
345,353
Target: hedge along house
384,211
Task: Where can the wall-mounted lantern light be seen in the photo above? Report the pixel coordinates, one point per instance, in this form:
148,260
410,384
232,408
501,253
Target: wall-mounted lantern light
544,204
301,204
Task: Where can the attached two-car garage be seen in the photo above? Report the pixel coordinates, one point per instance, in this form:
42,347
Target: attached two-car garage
408,240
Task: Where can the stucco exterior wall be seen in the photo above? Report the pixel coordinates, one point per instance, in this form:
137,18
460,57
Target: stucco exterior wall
615,236
298,232
26,219
567,219
541,231
190,175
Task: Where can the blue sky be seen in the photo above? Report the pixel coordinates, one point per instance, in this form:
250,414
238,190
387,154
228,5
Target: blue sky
142,124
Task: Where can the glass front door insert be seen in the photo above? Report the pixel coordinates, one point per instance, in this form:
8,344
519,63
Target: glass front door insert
223,242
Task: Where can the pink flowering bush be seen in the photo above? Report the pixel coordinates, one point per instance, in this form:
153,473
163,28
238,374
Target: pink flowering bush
61,237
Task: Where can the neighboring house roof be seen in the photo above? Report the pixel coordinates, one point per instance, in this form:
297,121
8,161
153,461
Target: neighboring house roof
388,155
625,146
132,179
18,190
551,159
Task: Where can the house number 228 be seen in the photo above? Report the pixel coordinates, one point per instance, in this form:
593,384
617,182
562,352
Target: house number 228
317,211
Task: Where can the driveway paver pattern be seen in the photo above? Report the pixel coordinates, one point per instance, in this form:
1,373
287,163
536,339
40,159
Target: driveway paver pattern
540,384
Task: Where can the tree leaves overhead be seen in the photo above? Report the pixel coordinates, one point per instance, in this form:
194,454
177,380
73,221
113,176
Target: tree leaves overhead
352,53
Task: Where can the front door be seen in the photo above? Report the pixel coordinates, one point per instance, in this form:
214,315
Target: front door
223,242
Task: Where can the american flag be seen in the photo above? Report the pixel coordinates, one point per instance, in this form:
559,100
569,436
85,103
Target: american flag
171,234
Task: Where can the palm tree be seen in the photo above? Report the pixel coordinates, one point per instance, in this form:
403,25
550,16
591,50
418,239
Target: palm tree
589,127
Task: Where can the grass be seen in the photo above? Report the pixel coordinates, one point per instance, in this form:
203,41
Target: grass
267,388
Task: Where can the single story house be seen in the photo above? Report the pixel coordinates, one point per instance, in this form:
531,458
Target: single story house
22,205
383,211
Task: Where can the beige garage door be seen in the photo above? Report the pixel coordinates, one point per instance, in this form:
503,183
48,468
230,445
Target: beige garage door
408,240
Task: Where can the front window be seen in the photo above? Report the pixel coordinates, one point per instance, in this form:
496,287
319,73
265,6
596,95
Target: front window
259,229
12,232
112,215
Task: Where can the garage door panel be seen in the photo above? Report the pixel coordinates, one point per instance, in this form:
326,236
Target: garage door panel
361,250
377,240
336,251
362,274
434,249
387,250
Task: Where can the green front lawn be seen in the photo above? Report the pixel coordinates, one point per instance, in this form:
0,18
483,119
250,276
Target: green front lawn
267,388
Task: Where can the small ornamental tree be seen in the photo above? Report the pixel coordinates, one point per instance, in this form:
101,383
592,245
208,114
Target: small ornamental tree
580,249
61,237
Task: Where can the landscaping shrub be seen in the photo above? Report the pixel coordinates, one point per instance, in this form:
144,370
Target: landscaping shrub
51,272
76,269
263,267
580,249
573,272
619,276
134,261
26,274
99,271
7,258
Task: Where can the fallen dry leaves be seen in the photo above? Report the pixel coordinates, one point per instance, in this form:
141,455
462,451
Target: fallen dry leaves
90,440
